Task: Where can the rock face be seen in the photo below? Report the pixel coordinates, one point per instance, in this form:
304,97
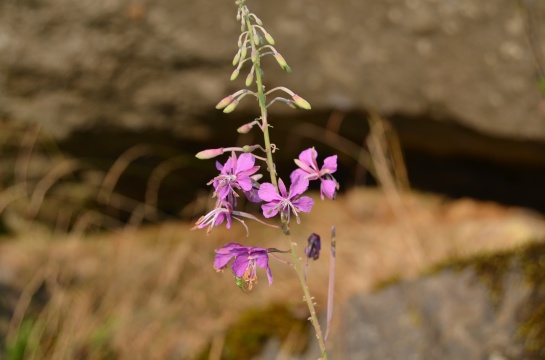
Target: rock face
458,79
483,309
165,63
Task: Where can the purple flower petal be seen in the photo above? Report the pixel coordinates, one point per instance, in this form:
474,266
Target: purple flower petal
240,265
270,209
282,188
330,164
328,188
298,187
308,157
304,203
268,192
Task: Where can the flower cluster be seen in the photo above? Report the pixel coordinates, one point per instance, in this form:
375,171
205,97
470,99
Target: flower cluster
238,176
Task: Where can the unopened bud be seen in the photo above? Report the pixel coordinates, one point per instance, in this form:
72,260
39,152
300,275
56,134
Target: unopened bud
224,102
234,75
244,50
282,62
258,20
232,106
244,129
300,102
269,38
254,55
250,77
209,154
236,59
256,38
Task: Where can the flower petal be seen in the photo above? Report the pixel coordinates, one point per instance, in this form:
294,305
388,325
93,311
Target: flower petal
269,209
225,254
282,188
330,164
328,188
268,192
298,187
240,265
308,157
304,203
245,162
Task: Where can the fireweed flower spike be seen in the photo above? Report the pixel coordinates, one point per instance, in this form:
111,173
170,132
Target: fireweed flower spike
308,168
247,259
285,201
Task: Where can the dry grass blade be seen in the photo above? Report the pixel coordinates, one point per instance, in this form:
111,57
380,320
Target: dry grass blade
157,176
117,169
64,168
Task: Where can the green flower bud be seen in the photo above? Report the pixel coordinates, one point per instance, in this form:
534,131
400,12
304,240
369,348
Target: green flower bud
269,38
236,59
258,20
254,55
282,62
232,106
256,37
250,77
244,51
224,102
300,102
234,75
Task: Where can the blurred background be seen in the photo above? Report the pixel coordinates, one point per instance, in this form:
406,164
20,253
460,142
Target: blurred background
435,108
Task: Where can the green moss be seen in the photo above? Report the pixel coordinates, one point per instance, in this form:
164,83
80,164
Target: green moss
247,337
383,284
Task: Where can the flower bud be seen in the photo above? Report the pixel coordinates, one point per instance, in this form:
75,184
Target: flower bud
300,102
269,38
256,38
258,20
254,55
250,77
224,102
209,154
234,75
232,106
236,59
244,129
282,62
244,50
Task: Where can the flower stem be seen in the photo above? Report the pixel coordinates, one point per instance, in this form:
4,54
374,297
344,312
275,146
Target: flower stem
272,171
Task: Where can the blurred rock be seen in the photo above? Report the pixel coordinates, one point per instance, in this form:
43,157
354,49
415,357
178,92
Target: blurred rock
458,79
483,308
164,64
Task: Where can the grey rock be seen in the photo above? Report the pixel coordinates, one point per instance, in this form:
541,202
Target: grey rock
453,314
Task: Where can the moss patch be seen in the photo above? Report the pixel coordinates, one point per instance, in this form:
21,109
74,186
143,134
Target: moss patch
255,327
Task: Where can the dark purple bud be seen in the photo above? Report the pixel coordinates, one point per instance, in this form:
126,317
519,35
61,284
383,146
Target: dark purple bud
312,251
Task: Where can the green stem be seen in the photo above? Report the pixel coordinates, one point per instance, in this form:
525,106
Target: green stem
270,165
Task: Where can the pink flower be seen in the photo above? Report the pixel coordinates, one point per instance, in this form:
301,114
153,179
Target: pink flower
308,168
235,174
247,259
285,201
